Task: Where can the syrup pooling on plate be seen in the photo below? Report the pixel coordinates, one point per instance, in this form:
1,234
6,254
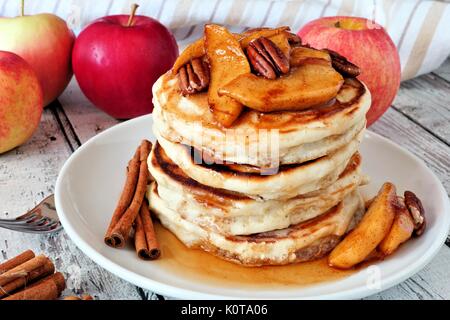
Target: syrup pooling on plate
197,265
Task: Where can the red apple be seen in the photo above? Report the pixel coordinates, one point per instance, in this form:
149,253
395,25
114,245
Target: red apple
45,42
116,60
21,101
366,44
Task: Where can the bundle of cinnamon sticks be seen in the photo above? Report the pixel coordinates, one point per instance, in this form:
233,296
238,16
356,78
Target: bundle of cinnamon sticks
132,209
30,277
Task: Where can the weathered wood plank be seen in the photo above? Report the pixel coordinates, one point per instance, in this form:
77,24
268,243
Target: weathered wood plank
426,100
432,282
416,139
66,127
444,70
27,175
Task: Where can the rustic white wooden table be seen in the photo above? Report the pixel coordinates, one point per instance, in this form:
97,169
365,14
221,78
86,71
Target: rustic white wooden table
419,120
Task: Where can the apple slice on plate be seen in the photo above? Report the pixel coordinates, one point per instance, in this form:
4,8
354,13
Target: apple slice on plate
401,230
305,86
227,61
373,228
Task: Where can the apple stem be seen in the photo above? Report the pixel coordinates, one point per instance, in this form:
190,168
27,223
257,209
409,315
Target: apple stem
22,7
133,11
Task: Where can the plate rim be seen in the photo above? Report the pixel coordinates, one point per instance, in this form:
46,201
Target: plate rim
182,293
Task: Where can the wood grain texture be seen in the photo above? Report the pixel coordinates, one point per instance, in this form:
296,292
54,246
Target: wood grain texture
444,70
28,173
425,101
411,136
432,282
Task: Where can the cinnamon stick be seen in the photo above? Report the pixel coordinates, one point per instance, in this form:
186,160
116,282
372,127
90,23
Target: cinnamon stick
85,297
49,288
126,196
147,247
16,261
121,231
19,276
22,269
38,273
72,298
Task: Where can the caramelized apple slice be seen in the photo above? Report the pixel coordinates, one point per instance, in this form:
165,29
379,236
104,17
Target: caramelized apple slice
401,230
303,87
197,48
253,30
302,55
373,228
262,32
227,61
192,51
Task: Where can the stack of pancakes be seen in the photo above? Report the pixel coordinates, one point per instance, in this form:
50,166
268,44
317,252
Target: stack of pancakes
257,207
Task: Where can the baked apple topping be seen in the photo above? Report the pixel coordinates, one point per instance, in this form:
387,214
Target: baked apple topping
262,69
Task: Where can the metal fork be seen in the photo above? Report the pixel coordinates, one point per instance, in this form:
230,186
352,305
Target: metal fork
41,219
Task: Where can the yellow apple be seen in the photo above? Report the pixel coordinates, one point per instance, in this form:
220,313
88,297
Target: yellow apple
21,101
45,42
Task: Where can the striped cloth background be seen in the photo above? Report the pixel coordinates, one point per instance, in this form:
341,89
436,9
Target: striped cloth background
419,28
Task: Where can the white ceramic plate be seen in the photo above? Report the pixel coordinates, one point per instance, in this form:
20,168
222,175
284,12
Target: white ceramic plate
90,182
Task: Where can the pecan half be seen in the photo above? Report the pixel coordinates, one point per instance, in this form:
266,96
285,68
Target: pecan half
266,58
417,212
193,77
342,65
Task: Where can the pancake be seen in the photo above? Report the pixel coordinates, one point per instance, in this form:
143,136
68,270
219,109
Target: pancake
288,182
232,213
305,241
302,135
